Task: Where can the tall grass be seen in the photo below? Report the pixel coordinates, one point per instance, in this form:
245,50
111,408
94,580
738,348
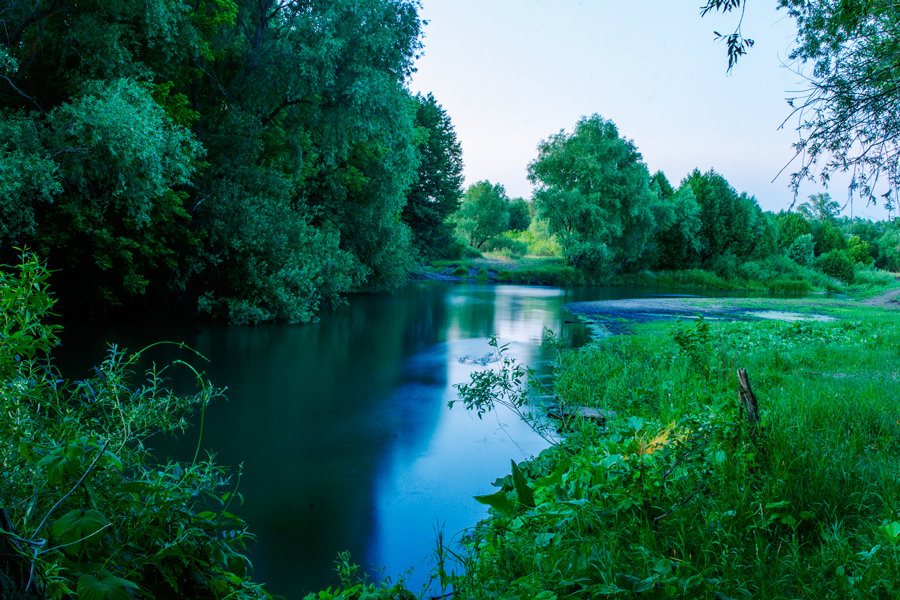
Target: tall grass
679,497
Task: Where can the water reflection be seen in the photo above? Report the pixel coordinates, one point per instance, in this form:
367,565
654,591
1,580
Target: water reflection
342,427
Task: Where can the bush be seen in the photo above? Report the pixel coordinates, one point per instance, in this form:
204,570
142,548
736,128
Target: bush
90,512
790,286
866,275
507,244
837,264
860,250
802,250
559,276
460,250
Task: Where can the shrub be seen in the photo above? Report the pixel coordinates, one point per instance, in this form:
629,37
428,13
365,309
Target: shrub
507,244
837,264
459,250
802,250
558,276
87,510
870,276
790,286
860,250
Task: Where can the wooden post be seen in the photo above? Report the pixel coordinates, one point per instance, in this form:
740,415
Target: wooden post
746,398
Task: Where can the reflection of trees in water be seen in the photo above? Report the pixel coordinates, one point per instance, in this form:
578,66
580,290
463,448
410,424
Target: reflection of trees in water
306,416
315,411
471,311
315,397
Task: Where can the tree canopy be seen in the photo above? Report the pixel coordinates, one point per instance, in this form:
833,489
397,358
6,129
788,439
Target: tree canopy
594,191
250,158
483,214
437,189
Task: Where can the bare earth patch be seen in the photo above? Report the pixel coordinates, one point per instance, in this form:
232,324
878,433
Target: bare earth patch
889,299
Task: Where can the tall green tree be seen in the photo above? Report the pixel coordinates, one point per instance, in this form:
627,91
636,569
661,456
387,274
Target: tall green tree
790,226
594,191
732,223
679,244
255,155
483,214
820,207
519,214
437,189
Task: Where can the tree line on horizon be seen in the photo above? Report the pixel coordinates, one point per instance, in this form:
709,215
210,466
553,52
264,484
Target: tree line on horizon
597,205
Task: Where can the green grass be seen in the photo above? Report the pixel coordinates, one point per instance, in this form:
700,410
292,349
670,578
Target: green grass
681,498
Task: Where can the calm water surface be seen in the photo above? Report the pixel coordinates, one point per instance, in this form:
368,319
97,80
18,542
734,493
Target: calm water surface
343,428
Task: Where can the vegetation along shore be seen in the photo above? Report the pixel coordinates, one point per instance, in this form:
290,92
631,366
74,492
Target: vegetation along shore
261,162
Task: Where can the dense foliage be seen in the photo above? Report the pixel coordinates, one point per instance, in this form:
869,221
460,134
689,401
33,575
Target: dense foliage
85,511
594,192
437,190
483,213
257,156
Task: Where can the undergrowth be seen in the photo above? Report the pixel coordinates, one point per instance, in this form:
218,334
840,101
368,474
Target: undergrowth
679,496
85,511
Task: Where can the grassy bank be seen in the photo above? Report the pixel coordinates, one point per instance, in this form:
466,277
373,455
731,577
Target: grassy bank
681,497
779,276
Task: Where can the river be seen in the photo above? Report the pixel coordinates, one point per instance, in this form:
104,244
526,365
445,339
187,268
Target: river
342,426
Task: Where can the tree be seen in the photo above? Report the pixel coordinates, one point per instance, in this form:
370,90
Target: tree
828,237
859,250
594,191
802,250
889,250
483,214
849,116
732,223
679,244
790,226
437,190
519,214
253,154
820,207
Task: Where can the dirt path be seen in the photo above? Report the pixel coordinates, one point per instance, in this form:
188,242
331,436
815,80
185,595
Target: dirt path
889,299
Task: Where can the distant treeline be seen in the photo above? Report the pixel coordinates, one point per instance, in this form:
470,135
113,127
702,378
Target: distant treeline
597,205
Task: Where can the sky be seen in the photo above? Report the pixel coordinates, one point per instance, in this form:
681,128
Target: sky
511,73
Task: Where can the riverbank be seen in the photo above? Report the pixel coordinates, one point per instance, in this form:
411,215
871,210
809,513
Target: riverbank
785,277
682,496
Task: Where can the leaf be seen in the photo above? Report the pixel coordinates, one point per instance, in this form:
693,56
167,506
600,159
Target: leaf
555,478
890,532
499,502
108,588
526,494
71,528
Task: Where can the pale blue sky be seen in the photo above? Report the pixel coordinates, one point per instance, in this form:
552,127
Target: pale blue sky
512,72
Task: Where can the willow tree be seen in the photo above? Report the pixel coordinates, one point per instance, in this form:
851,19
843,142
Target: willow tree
252,155
594,191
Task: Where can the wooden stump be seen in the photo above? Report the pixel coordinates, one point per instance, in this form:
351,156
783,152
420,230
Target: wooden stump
746,398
